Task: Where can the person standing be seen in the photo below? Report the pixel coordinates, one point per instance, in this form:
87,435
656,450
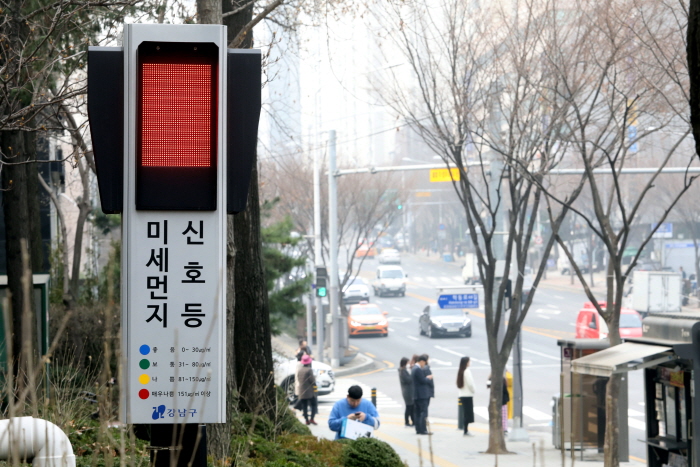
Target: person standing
428,372
406,391
303,349
466,390
421,394
307,381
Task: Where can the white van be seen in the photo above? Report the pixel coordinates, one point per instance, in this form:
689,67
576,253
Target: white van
390,280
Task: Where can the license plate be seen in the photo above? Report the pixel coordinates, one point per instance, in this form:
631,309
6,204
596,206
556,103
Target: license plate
453,330
370,327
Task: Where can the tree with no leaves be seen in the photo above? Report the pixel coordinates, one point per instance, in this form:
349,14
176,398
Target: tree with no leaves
625,88
472,89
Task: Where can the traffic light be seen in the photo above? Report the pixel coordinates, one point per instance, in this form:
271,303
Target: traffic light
174,129
399,207
321,286
321,282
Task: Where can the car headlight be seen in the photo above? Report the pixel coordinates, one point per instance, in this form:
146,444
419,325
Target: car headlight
321,372
437,324
382,322
355,323
466,322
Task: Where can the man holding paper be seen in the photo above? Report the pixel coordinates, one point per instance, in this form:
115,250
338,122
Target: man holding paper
354,408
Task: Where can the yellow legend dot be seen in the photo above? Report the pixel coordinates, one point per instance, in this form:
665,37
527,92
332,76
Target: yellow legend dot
144,379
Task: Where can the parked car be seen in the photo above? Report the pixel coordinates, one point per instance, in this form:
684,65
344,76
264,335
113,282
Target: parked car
436,321
366,318
389,256
356,291
590,325
285,370
390,280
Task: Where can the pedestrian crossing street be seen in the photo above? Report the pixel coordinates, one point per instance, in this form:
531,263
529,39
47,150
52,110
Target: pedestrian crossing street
385,404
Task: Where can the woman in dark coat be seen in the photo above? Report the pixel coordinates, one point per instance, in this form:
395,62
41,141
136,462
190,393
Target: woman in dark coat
307,381
406,390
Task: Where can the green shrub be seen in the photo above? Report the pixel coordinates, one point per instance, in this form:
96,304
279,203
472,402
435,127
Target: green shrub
370,452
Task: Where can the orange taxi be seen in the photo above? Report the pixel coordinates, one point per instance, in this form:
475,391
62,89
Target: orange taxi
367,318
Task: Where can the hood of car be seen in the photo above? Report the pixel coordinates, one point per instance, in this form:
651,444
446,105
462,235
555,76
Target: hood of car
367,318
448,319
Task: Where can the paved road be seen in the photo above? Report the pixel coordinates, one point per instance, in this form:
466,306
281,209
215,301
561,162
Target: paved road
551,317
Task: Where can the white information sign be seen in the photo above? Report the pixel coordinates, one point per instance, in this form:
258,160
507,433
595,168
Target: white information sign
174,272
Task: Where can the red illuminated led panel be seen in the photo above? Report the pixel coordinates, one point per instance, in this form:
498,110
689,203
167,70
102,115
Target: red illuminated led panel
176,106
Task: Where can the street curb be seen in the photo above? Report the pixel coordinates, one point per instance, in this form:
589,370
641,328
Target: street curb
365,365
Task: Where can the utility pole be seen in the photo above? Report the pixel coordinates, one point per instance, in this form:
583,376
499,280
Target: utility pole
333,239
320,322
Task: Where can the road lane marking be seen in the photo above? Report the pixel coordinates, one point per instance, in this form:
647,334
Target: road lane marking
398,319
388,363
449,351
482,412
535,414
413,338
542,354
370,355
440,362
638,424
547,311
396,308
558,297
354,348
417,315
545,317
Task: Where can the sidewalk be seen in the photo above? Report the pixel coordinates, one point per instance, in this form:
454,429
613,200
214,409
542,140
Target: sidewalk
450,448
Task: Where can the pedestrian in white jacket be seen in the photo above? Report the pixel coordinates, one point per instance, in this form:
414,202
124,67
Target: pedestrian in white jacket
466,389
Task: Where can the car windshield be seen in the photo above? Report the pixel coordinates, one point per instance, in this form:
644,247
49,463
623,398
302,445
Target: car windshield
447,312
365,310
357,281
630,321
392,274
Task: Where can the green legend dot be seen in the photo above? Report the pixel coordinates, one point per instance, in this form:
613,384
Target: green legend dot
144,364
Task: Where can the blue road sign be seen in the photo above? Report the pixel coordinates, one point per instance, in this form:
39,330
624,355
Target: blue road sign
463,300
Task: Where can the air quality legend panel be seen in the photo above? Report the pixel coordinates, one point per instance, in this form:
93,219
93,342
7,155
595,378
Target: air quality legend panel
175,369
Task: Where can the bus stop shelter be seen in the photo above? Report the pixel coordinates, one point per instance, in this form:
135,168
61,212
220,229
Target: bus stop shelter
668,353
579,411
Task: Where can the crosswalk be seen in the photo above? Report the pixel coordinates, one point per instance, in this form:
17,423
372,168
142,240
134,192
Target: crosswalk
385,404
435,280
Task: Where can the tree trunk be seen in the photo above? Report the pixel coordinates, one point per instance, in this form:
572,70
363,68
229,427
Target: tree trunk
693,53
18,227
252,332
497,442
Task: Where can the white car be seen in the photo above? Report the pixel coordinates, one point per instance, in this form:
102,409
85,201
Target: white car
285,370
390,280
356,291
389,256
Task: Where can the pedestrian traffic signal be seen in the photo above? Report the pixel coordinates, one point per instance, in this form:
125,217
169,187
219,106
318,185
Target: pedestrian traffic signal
321,287
400,206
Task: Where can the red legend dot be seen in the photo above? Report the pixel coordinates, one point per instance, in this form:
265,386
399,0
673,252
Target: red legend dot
143,393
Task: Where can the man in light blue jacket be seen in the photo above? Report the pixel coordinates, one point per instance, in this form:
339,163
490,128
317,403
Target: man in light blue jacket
353,407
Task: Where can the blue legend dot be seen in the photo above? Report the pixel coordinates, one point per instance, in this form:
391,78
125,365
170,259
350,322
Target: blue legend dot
144,349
